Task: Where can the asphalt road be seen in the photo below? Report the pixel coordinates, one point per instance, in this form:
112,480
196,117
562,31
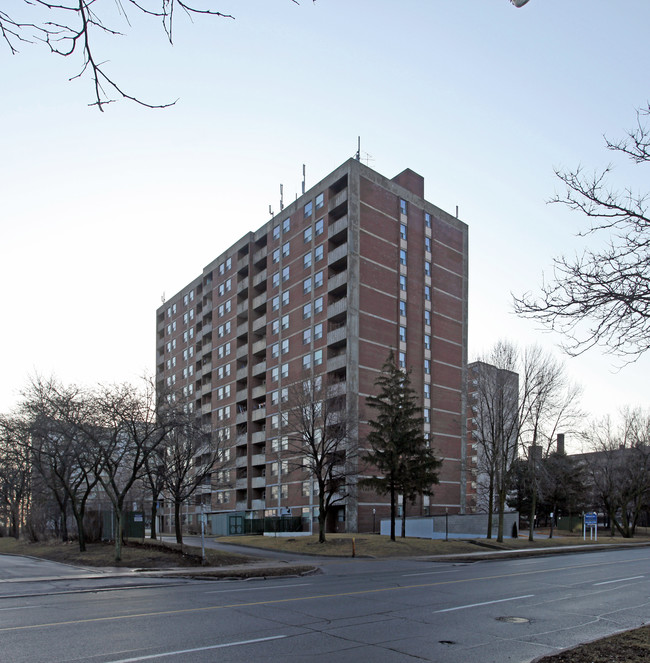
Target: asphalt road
356,611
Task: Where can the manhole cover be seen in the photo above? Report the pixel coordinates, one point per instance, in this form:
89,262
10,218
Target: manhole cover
513,620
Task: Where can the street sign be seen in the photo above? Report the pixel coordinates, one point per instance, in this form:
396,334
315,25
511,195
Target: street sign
591,519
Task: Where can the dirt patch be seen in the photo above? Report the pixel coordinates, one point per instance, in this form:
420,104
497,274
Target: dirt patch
628,647
135,554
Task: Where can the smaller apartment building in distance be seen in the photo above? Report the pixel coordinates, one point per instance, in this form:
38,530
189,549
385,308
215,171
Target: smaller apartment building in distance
358,265
492,427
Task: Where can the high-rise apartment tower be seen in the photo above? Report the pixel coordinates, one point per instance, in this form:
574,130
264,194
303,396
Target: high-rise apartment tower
358,265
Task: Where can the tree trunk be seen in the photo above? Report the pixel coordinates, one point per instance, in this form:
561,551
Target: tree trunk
392,513
502,508
533,508
322,514
490,506
79,517
118,535
403,535
154,515
177,524
554,507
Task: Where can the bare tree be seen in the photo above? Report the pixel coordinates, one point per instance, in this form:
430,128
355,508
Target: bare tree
55,417
602,297
126,432
521,400
318,429
619,468
79,28
15,475
190,455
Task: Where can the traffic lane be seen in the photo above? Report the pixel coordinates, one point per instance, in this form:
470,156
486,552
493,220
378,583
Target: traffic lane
335,621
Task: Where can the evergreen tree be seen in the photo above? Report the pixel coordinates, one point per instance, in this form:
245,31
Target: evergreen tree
399,453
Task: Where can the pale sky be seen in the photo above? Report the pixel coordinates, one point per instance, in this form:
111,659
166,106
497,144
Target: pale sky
102,213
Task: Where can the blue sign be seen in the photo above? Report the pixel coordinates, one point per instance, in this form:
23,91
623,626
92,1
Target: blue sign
591,519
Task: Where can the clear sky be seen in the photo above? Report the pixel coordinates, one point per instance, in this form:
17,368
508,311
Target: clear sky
102,213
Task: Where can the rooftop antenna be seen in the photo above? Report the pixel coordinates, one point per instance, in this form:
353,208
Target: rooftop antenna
270,211
456,211
162,298
281,197
303,178
357,156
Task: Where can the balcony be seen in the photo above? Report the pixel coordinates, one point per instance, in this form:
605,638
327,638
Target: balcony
258,459
242,307
337,388
258,437
242,330
258,504
337,308
260,323
241,440
259,368
260,278
259,301
242,373
241,505
242,417
241,484
260,255
336,363
242,285
340,281
241,461
258,482
338,199
259,347
259,413
242,351
339,254
242,263
242,395
339,229
337,336
259,392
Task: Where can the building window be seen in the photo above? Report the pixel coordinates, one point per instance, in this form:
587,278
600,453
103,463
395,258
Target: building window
306,337
402,230
306,311
427,415
402,206
275,350
308,209
285,322
275,280
318,357
275,304
275,374
427,219
284,372
427,268
402,257
275,327
402,282
306,491
319,227
276,232
285,346
284,395
402,359
306,362
306,286
286,225
318,331
427,390
427,244
319,200
402,334
427,342
402,308
286,249
276,256
318,253
318,305
318,279
307,234
427,366
306,260
285,274
427,292
427,317
285,298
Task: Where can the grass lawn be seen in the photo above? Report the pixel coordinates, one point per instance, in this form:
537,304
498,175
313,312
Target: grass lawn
151,555
374,545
